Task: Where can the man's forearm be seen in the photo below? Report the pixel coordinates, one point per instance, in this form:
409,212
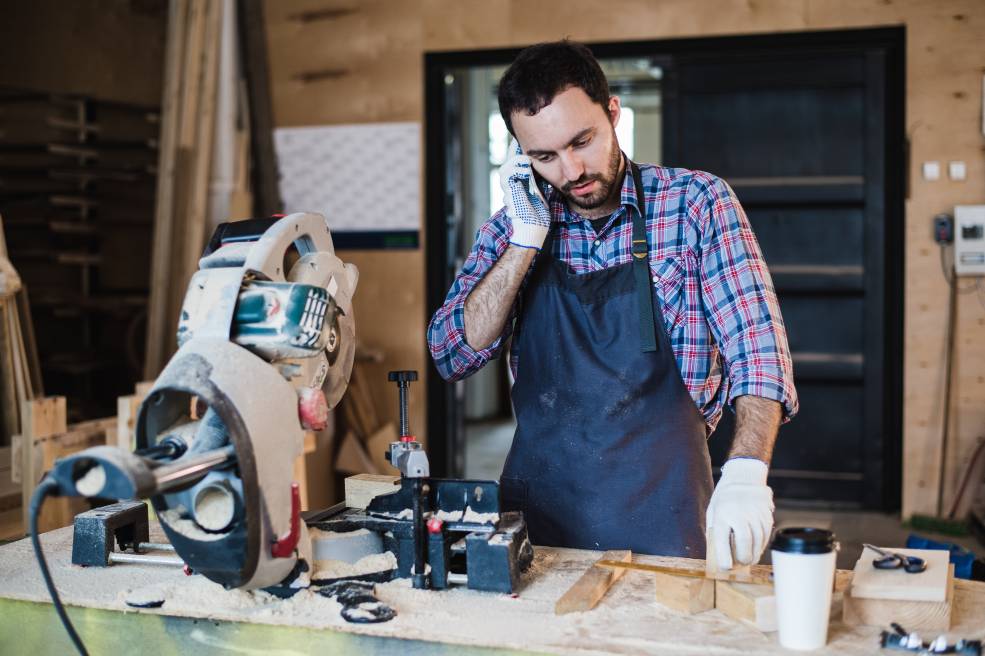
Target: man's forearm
757,421
488,305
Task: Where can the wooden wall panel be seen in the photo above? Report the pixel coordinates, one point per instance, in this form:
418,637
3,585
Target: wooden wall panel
106,49
380,45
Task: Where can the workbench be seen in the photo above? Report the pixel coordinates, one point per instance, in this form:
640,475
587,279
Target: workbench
201,617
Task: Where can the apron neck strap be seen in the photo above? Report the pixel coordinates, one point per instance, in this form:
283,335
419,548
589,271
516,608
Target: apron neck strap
641,267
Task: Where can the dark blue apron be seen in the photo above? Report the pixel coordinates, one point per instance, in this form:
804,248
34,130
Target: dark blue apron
610,450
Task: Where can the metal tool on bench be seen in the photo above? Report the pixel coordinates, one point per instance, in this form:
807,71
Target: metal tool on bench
443,531
898,639
893,560
265,350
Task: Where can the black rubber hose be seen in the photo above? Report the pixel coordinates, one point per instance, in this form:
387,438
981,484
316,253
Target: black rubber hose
45,488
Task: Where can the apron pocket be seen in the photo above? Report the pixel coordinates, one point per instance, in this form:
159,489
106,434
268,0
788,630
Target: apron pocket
512,494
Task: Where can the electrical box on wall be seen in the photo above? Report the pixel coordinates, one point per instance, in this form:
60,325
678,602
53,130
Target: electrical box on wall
969,240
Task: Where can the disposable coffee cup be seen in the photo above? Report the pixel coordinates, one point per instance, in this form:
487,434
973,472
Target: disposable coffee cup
803,577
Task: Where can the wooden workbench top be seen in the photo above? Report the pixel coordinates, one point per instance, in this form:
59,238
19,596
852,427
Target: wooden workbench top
627,621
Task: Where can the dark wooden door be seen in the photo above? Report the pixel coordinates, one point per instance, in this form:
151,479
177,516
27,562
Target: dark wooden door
804,138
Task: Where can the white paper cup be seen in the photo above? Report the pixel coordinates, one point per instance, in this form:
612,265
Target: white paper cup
803,577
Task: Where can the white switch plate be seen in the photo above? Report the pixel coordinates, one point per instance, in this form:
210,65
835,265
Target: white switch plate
969,240
931,170
956,170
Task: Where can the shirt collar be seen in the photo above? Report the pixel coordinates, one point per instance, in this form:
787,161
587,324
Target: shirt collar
627,197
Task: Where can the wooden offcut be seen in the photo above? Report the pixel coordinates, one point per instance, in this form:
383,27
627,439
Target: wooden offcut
360,489
687,595
929,585
747,602
914,615
40,419
588,591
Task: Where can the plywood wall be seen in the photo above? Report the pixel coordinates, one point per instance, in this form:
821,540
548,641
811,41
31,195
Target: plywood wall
370,58
106,49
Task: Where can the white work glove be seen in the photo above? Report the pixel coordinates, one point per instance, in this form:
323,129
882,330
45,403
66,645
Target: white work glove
741,507
525,204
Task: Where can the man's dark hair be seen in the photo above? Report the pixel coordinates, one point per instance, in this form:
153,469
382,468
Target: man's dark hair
542,71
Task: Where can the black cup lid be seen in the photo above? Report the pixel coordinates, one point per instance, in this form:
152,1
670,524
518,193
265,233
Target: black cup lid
805,540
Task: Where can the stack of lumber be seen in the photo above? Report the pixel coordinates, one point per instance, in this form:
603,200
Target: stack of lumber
20,368
365,439
203,167
919,602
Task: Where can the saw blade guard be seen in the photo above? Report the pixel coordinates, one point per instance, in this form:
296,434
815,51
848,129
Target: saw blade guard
214,393
265,321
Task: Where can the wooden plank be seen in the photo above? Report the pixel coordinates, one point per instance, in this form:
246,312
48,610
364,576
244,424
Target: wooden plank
40,418
301,467
759,575
753,604
9,405
126,420
30,343
588,591
685,594
914,615
253,45
929,585
361,488
196,216
157,319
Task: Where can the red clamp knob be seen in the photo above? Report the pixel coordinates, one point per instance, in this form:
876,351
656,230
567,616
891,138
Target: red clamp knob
285,544
434,525
408,438
312,409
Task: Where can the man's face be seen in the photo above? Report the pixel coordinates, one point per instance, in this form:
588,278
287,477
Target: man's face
572,144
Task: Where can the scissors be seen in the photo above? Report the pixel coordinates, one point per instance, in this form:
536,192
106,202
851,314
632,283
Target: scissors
892,560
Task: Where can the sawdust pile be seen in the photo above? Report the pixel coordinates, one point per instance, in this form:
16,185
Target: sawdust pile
337,569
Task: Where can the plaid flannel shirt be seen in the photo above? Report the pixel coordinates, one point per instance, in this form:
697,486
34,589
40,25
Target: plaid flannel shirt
718,303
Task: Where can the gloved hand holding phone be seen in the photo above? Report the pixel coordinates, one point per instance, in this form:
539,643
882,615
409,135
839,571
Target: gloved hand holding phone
525,203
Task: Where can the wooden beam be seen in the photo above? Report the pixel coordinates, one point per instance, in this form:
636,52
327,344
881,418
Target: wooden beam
253,44
160,283
588,591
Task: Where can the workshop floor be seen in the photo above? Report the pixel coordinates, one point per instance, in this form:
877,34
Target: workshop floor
487,444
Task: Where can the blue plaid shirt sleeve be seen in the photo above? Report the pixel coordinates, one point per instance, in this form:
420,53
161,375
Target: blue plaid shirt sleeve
452,355
740,302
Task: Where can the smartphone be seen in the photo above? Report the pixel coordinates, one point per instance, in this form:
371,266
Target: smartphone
545,187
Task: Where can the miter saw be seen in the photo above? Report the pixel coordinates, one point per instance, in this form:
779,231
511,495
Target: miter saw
266,344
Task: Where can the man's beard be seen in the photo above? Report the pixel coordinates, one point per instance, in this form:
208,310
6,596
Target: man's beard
607,182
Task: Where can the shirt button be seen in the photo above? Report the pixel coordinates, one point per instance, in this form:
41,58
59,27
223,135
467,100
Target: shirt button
655,279
597,242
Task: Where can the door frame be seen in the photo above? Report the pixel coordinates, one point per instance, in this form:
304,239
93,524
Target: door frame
884,461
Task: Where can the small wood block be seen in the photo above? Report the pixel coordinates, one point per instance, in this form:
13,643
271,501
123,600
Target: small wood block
360,489
685,594
588,591
738,574
913,615
928,585
750,603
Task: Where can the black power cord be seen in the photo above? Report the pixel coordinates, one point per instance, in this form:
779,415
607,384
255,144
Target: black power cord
47,488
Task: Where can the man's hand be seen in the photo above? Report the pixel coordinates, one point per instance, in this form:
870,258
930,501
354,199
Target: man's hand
741,508
525,204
